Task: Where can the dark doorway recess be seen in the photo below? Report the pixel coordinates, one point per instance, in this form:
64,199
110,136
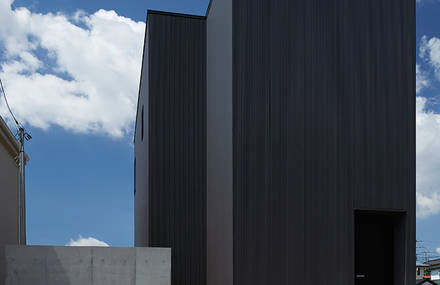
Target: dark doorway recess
379,247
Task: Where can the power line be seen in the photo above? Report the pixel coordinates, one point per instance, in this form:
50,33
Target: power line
7,104
423,253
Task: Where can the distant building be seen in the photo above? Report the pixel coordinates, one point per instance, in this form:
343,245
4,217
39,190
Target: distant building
421,270
434,268
427,282
9,149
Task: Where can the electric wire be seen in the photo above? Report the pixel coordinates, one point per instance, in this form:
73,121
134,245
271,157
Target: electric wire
23,135
7,105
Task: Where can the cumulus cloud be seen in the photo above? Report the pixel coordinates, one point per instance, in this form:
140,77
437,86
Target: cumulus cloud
421,79
428,134
438,250
80,71
428,160
430,52
90,241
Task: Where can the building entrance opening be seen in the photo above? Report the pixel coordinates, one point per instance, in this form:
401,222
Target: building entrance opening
379,247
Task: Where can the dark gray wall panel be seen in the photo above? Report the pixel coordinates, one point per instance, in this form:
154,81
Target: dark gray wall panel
177,142
219,144
141,156
383,102
310,116
268,142
325,210
324,102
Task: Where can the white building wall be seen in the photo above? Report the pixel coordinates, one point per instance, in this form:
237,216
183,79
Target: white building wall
435,274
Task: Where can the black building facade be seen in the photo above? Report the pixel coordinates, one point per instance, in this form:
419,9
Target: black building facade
280,142
170,144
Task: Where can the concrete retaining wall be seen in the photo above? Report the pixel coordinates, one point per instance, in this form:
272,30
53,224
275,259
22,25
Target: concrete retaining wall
50,265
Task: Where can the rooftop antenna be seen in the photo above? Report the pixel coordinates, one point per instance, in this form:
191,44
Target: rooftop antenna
22,136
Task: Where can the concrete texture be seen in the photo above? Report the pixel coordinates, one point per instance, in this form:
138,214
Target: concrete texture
153,266
49,265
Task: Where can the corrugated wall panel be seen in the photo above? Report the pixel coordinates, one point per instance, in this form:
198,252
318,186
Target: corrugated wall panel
268,142
177,120
324,102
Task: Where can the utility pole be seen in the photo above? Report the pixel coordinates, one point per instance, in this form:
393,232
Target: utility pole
21,192
21,199
21,188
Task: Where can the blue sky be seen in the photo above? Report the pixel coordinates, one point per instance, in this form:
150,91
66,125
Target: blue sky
133,9
428,25
80,177
81,183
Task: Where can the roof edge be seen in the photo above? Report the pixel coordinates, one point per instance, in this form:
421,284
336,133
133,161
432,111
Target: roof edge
8,137
163,13
174,14
140,79
209,8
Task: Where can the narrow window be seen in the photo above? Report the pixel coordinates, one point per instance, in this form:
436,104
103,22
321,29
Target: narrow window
142,131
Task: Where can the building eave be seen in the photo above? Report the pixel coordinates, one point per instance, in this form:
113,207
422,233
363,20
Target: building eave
140,79
8,141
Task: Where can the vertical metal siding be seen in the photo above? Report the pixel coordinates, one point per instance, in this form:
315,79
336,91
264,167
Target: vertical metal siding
177,120
268,142
324,102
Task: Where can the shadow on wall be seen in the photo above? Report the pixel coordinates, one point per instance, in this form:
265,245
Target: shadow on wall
2,265
49,265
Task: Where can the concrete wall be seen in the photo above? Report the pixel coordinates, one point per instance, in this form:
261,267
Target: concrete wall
84,265
8,188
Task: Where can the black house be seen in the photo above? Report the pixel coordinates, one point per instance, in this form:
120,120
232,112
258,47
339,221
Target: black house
277,137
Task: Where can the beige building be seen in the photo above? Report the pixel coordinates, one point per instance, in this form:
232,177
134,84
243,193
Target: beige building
9,150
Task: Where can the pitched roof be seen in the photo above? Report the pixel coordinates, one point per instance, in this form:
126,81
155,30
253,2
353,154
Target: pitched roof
427,282
433,262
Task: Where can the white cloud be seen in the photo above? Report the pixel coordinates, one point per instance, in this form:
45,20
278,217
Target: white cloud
430,52
428,160
438,250
421,79
427,205
86,242
428,135
80,72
